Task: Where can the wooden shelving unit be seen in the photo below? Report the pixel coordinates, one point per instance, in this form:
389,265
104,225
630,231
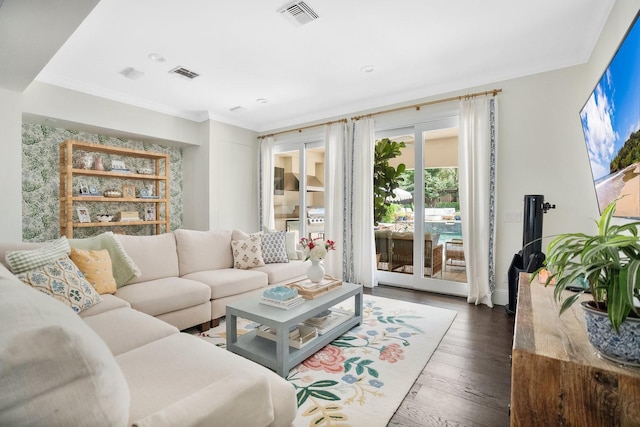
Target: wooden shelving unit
69,200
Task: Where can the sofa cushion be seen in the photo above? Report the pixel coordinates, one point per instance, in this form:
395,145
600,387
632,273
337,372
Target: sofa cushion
63,281
25,260
55,370
109,302
284,272
230,281
97,269
247,253
156,256
203,250
123,267
274,247
189,364
209,407
140,328
164,295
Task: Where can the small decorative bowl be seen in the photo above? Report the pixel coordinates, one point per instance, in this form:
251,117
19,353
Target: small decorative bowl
112,193
280,293
104,217
145,171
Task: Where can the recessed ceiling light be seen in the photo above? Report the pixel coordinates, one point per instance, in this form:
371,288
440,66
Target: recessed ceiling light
368,69
262,100
132,73
156,57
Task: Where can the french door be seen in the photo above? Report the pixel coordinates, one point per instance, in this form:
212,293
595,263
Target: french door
419,242
298,198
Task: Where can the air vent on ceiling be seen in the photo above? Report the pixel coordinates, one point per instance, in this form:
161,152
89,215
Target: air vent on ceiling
181,71
298,13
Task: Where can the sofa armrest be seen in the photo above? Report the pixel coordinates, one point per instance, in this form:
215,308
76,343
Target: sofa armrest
236,399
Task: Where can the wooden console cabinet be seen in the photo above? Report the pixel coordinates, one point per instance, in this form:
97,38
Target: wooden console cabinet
557,377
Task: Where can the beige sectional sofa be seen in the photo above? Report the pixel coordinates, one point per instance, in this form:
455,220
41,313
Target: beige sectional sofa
116,366
124,361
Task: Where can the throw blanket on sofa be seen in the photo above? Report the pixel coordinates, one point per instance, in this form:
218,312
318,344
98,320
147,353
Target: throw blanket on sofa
124,269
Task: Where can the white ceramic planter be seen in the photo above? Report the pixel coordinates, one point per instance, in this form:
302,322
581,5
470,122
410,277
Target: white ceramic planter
622,348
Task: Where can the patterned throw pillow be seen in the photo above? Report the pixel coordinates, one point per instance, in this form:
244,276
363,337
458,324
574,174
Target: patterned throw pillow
97,269
63,281
247,253
274,247
21,261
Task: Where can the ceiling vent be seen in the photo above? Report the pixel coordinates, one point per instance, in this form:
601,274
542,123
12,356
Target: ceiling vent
181,71
299,13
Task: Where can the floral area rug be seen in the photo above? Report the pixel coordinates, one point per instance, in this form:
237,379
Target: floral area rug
361,378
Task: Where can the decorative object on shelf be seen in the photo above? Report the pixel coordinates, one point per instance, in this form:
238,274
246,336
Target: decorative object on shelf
98,163
85,161
316,250
145,171
112,193
93,190
128,191
129,216
104,217
118,166
83,189
83,214
608,266
150,190
150,213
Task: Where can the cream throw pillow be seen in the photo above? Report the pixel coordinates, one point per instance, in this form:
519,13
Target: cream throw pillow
247,253
97,269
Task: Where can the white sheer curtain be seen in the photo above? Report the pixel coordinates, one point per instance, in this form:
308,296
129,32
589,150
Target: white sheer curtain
477,150
267,215
335,141
360,257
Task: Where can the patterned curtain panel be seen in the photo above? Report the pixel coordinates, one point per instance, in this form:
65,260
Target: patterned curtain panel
477,160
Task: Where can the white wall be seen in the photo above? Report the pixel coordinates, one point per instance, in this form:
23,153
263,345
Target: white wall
10,166
234,178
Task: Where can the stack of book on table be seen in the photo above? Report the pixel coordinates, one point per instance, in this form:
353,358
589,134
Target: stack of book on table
299,335
329,319
281,297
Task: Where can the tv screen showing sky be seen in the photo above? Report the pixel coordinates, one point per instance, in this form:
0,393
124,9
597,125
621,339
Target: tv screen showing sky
610,121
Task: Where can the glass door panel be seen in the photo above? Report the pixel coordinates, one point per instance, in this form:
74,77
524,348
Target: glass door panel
295,169
419,240
442,222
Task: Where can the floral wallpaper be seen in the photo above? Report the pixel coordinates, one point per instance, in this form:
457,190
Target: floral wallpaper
41,183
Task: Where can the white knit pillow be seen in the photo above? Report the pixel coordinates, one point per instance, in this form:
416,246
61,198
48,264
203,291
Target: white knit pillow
247,253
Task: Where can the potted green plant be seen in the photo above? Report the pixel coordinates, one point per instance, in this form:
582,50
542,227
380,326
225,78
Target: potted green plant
386,178
607,265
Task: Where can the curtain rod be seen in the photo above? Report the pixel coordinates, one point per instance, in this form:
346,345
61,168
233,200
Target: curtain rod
303,128
493,92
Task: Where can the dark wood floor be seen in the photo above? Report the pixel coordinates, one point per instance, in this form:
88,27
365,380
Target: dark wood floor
467,380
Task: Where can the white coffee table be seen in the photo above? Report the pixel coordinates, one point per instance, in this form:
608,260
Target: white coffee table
278,355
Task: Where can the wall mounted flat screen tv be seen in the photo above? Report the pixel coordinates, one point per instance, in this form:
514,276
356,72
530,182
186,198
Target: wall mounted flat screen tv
611,123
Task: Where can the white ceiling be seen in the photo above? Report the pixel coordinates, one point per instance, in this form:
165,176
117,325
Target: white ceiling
245,50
